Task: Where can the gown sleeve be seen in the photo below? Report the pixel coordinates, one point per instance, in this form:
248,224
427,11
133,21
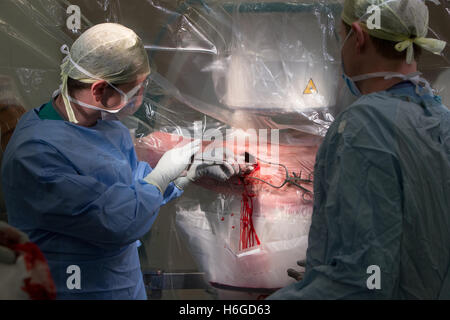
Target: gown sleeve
64,201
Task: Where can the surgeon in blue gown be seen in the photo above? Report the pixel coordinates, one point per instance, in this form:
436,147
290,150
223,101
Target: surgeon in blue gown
381,221
71,178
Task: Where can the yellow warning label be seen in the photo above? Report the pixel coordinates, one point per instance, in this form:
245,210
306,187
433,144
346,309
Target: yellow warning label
310,88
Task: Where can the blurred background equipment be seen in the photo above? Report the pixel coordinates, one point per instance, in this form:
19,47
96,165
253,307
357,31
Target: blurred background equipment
11,109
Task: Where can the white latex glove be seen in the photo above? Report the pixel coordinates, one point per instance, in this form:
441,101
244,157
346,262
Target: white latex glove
220,170
172,164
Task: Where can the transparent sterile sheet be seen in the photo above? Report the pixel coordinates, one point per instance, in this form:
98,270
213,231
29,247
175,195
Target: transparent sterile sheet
247,70
261,78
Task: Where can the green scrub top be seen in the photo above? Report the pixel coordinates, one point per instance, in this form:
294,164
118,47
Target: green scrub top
48,112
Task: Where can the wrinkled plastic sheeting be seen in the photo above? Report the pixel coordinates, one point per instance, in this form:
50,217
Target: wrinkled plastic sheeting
212,229
252,65
244,66
218,66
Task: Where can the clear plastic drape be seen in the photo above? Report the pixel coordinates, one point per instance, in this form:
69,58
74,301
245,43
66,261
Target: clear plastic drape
221,71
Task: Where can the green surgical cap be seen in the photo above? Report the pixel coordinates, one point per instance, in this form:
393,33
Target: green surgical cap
107,51
401,21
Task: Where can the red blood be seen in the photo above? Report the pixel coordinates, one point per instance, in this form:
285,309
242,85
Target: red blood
248,237
38,291
222,219
297,158
31,253
32,257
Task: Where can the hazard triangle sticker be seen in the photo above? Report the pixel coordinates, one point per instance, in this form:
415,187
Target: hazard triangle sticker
310,88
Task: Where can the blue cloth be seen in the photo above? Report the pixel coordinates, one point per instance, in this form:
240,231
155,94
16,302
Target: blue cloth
382,198
79,194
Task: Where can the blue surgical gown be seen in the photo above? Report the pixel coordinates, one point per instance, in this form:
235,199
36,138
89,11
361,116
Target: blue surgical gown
381,221
79,194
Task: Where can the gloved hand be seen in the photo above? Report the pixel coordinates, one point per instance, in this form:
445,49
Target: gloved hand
171,165
297,275
220,170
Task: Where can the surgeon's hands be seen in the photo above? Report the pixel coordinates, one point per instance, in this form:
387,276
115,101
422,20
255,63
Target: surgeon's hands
220,170
172,164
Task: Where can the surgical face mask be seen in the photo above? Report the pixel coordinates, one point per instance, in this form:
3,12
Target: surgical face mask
350,83
413,77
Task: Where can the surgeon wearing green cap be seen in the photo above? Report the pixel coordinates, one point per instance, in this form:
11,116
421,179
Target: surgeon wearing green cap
381,222
70,174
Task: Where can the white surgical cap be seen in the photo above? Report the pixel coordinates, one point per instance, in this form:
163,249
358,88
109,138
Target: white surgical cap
401,21
107,51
